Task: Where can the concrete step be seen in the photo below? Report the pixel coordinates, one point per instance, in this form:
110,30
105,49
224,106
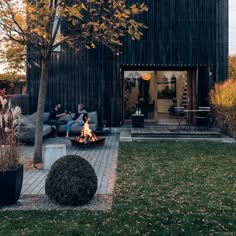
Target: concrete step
130,135
174,132
179,134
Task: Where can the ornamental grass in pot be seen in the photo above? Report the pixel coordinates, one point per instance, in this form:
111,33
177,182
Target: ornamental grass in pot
11,171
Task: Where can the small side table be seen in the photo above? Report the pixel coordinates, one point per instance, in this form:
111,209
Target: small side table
52,153
138,120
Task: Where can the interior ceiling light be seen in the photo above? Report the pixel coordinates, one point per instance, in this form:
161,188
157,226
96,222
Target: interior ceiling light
146,76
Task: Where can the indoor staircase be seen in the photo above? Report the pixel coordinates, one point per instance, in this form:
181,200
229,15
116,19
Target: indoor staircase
184,95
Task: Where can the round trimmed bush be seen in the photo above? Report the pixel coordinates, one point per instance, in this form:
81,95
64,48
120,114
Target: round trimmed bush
71,181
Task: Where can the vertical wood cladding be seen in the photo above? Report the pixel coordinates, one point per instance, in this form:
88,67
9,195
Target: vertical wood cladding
181,33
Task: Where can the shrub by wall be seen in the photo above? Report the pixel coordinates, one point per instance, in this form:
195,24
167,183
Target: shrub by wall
223,102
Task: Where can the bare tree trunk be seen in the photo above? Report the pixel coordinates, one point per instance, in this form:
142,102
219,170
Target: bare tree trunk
38,144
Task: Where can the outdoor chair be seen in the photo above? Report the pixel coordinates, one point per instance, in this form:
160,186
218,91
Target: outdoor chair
203,117
182,118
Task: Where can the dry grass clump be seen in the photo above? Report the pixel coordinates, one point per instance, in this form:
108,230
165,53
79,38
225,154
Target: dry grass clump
10,118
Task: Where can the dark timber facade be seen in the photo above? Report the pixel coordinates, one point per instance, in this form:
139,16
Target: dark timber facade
182,35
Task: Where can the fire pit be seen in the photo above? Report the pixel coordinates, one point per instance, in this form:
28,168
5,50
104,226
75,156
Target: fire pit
98,142
87,138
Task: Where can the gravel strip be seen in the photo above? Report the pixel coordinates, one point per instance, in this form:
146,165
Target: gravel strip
41,202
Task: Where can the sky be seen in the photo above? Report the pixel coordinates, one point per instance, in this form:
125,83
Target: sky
232,27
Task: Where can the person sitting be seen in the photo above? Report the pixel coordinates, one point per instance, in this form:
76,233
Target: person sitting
79,119
54,115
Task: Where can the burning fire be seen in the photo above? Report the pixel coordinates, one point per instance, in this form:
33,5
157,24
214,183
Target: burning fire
87,134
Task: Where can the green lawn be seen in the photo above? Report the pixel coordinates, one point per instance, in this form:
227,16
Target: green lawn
162,189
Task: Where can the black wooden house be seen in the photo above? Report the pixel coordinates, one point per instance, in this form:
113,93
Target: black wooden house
182,53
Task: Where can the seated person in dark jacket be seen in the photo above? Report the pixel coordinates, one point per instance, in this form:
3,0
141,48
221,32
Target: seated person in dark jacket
78,119
54,115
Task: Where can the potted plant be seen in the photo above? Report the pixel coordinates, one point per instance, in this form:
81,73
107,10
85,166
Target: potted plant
11,171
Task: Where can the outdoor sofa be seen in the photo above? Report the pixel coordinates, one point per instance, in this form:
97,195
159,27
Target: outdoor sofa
28,126
75,129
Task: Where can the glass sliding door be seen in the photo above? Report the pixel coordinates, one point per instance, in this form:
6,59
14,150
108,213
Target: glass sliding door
155,93
139,93
171,91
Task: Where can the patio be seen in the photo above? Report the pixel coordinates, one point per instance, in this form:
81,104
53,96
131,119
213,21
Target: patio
103,159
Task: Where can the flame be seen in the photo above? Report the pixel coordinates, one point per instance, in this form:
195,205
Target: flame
87,134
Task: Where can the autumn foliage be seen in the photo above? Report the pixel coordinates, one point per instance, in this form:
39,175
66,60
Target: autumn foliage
232,67
13,57
44,25
90,22
12,78
223,101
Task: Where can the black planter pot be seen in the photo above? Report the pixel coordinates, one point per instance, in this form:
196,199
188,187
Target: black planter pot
10,185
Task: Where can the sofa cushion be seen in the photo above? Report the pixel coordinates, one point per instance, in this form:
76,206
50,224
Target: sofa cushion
32,117
66,117
93,117
27,133
26,121
45,117
76,129
47,129
72,115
